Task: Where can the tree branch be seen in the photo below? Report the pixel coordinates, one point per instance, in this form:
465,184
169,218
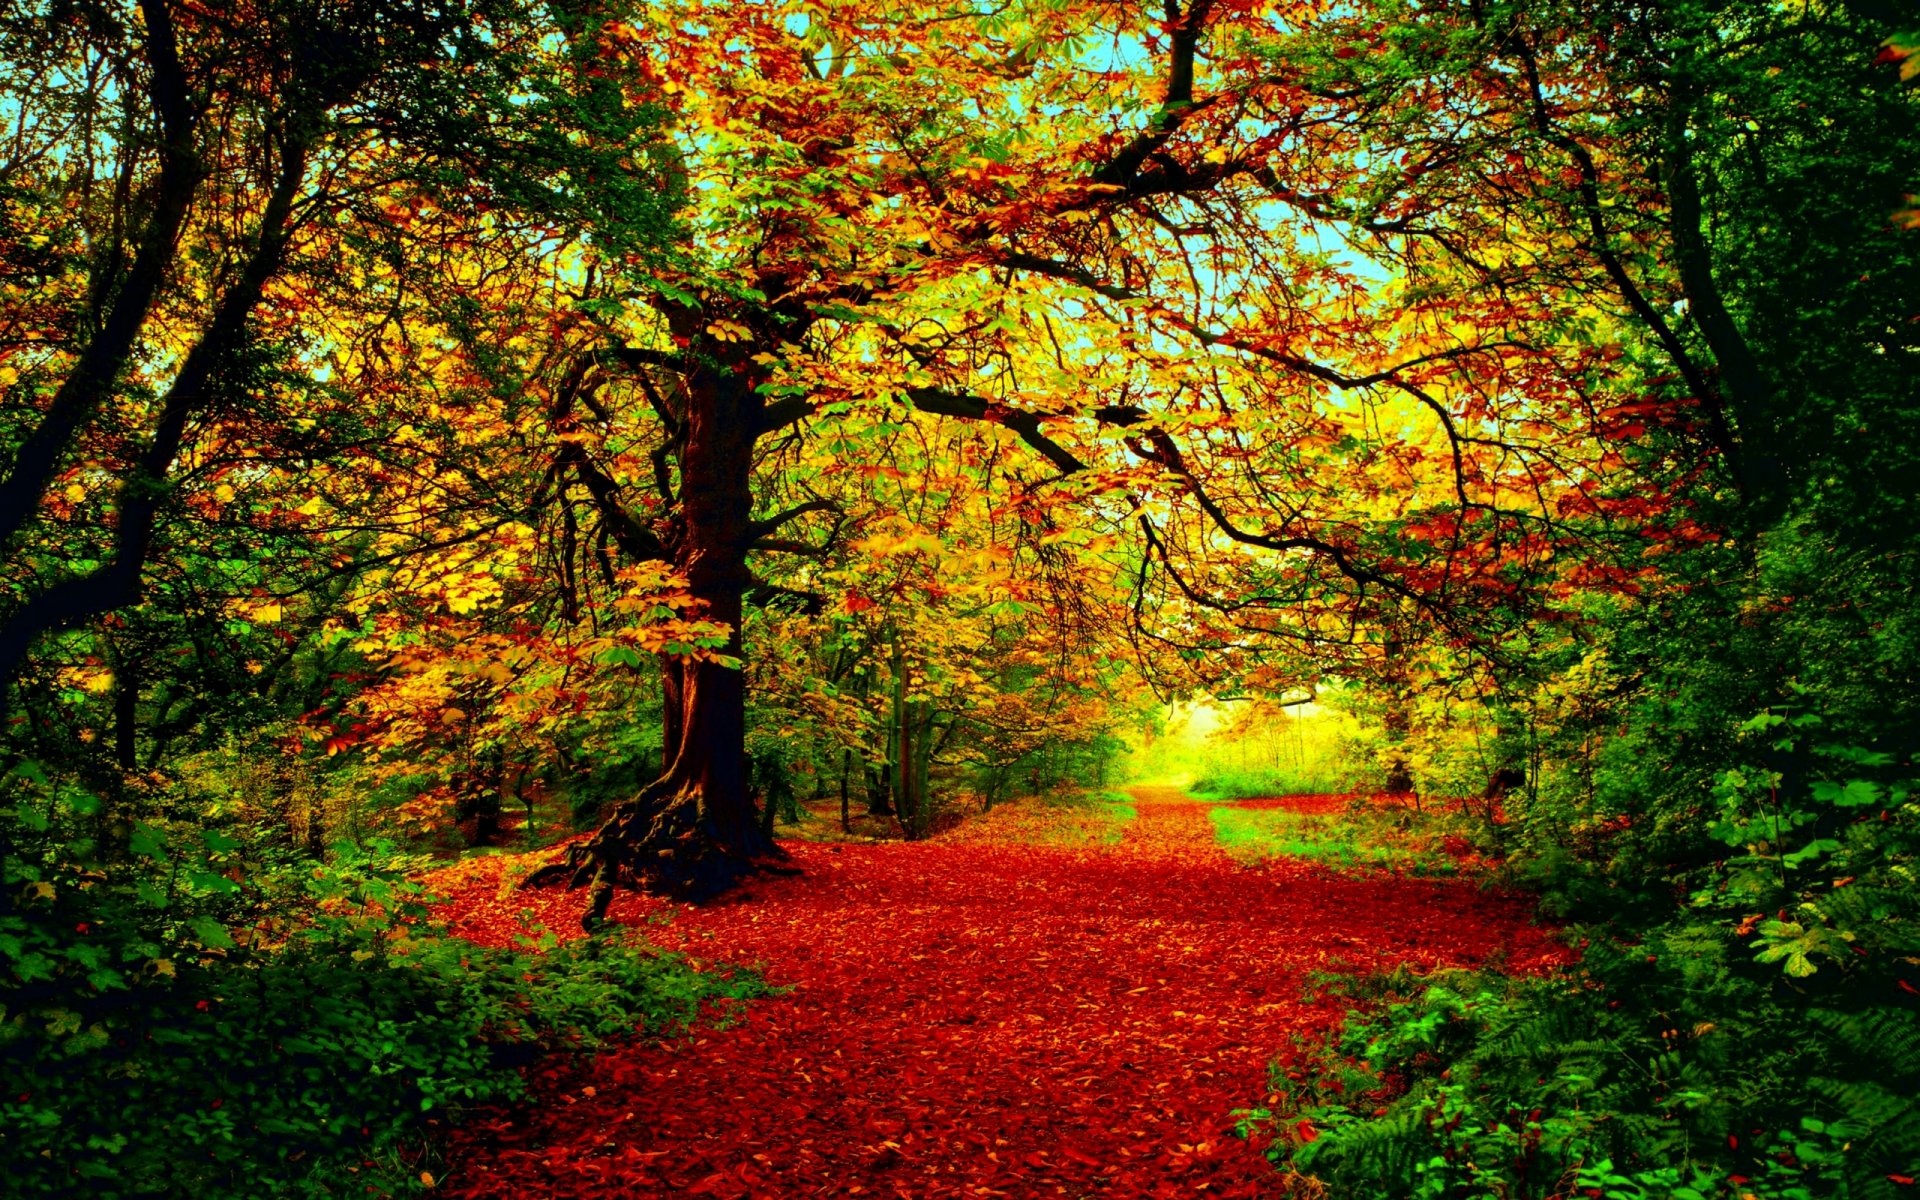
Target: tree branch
116,582
92,378
1183,29
944,403
768,525
1601,242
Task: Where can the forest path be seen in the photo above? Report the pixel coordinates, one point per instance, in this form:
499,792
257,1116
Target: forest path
980,1019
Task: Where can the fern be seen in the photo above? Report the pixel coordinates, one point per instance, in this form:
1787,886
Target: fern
1885,1040
1381,1150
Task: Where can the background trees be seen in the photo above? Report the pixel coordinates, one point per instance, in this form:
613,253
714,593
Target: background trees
1711,198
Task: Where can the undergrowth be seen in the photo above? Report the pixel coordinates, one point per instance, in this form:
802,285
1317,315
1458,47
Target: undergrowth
188,1020
1219,782
1465,1084
1362,835
1761,1043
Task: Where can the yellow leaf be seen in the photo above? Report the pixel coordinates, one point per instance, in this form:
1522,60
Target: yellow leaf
75,493
99,681
266,614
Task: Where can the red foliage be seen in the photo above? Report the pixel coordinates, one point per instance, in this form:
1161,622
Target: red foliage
975,1020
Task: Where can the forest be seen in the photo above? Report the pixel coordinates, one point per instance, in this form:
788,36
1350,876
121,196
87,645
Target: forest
760,598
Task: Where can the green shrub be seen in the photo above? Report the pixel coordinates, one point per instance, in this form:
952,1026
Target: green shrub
192,1021
1364,835
1251,783
1764,1041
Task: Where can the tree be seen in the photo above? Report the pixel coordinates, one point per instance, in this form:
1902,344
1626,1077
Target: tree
222,205
883,229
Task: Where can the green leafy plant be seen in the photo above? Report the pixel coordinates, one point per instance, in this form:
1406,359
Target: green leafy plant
196,1021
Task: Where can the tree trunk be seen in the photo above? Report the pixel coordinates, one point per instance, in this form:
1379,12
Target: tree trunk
126,714
768,786
1398,722
316,824
879,781
921,715
671,699
902,764
692,831
846,768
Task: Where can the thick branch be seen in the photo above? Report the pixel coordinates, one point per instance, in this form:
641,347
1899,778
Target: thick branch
635,540
1183,30
116,583
1168,455
972,408
1746,386
789,410
1601,243
640,356
106,355
790,546
769,525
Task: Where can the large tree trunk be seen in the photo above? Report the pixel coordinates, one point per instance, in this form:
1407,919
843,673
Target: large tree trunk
692,831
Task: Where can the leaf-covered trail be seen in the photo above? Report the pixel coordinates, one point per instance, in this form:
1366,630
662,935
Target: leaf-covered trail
974,1019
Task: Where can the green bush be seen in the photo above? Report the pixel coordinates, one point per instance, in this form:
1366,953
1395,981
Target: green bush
191,1021
1251,783
1365,835
1762,1041
1678,1067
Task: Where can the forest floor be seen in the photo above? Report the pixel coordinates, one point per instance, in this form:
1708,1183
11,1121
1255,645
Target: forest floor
975,1016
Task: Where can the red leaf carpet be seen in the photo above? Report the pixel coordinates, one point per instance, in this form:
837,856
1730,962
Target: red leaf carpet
973,1019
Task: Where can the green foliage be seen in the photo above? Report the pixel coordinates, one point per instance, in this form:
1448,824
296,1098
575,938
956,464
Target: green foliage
1220,782
1363,835
1746,1009
626,757
195,1020
1474,1085
1059,766
1720,766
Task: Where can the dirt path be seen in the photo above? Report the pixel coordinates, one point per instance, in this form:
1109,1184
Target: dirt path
984,1020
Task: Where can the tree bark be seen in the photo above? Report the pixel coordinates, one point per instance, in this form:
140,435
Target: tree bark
99,365
126,715
846,768
1398,722
692,831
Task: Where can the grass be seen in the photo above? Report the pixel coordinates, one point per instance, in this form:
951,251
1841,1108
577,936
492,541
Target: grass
1246,783
1119,811
1361,836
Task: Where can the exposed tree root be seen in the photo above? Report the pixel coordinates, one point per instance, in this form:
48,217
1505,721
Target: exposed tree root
660,842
